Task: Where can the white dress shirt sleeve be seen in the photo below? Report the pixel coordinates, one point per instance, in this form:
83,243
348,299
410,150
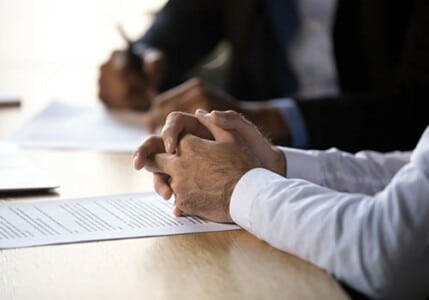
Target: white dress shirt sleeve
377,243
364,172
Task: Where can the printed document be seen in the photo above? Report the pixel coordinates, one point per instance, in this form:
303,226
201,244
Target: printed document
24,224
64,125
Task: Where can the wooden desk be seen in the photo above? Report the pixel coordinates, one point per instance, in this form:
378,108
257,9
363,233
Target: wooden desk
229,265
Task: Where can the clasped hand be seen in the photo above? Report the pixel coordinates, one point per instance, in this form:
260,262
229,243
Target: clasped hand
200,158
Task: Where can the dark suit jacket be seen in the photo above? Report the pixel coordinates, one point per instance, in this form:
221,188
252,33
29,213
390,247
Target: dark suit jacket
381,51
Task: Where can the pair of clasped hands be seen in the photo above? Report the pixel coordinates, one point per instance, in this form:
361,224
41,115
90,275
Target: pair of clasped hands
199,157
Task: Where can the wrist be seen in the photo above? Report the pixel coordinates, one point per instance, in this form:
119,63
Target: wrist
269,120
279,163
260,116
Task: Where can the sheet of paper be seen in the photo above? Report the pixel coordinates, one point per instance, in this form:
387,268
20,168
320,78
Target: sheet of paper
24,224
63,125
18,173
8,99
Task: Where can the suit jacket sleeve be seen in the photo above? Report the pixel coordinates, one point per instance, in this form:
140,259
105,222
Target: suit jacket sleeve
389,51
185,31
352,123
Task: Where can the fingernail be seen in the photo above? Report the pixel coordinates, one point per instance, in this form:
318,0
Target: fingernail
135,161
168,142
136,155
201,111
219,118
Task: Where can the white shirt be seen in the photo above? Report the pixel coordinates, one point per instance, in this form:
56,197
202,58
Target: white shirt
310,54
364,218
311,58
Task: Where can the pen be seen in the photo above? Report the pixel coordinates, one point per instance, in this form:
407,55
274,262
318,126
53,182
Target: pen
134,61
134,64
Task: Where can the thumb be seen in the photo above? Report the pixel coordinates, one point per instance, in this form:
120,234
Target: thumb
233,121
218,133
160,163
248,133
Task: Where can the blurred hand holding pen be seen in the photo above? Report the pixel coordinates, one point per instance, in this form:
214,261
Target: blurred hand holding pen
127,79
133,61
130,79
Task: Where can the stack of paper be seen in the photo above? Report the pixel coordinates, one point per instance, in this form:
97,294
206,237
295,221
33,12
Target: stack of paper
67,126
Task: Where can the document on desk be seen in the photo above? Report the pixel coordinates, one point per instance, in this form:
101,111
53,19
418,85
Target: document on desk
25,224
64,125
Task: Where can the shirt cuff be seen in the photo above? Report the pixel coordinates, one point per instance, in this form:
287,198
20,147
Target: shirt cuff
245,193
139,48
303,164
293,118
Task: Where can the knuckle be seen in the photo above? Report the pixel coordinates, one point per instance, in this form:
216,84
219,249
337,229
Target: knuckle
173,121
233,114
152,139
148,141
183,203
187,141
166,130
173,116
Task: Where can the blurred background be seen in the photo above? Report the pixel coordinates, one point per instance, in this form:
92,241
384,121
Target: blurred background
53,48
